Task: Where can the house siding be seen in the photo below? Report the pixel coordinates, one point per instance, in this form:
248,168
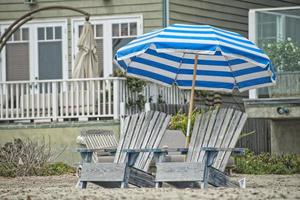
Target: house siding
229,14
151,11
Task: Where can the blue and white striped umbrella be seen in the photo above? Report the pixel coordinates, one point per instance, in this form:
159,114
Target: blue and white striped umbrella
197,57
226,60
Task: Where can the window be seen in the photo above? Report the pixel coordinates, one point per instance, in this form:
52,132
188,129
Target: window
50,52
277,33
122,34
18,47
110,34
37,51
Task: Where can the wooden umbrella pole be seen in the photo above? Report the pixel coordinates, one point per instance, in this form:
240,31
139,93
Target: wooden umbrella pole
188,134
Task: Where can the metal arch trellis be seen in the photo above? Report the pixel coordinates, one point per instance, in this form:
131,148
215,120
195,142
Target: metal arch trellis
28,16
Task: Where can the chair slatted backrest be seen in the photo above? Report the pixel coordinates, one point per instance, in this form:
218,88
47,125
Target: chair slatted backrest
218,128
140,131
98,139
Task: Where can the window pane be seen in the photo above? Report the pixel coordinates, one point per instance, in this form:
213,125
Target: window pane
25,34
133,30
115,29
17,69
50,60
58,33
278,35
41,34
49,31
99,47
124,29
17,35
99,31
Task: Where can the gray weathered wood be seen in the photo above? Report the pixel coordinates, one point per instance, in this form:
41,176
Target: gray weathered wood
157,141
152,137
228,136
122,138
103,172
137,132
217,128
233,141
219,131
141,178
128,137
219,179
154,141
200,137
208,134
194,136
98,139
144,130
178,172
145,139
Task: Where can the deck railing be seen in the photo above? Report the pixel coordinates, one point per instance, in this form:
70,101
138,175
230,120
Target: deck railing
75,98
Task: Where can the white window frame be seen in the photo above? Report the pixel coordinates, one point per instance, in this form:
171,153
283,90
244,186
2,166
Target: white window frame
107,22
253,94
33,46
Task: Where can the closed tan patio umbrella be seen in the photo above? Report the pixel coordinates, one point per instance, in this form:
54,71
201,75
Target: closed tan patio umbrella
86,60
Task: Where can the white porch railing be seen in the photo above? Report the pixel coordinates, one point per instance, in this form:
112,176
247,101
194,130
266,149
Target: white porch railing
74,98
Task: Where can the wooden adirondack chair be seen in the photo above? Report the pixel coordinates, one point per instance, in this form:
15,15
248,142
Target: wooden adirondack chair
214,137
97,139
144,130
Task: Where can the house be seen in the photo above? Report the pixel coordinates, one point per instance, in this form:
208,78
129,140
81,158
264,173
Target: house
35,66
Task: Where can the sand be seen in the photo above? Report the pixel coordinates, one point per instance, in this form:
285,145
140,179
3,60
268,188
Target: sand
62,187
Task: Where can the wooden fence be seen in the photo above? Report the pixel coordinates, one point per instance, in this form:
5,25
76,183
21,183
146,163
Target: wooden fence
257,142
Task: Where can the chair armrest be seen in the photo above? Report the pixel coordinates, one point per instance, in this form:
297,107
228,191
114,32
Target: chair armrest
144,150
157,150
236,151
108,151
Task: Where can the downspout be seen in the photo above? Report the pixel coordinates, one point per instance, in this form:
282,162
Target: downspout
165,13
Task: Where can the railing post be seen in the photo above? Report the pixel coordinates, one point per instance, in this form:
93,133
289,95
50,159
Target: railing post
54,101
116,98
147,107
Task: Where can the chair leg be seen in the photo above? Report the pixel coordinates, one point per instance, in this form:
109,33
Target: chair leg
125,181
124,184
81,184
158,184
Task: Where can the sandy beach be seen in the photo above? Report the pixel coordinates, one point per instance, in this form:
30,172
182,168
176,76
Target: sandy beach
62,187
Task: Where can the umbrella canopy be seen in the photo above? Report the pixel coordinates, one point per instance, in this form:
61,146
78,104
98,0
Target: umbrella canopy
197,57
86,60
226,59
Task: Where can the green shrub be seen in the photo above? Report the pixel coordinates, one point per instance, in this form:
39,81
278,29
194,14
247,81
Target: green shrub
29,158
7,170
48,169
267,164
52,169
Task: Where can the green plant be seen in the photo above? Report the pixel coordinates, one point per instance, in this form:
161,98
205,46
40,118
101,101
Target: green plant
58,168
160,99
179,121
266,163
135,85
285,55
